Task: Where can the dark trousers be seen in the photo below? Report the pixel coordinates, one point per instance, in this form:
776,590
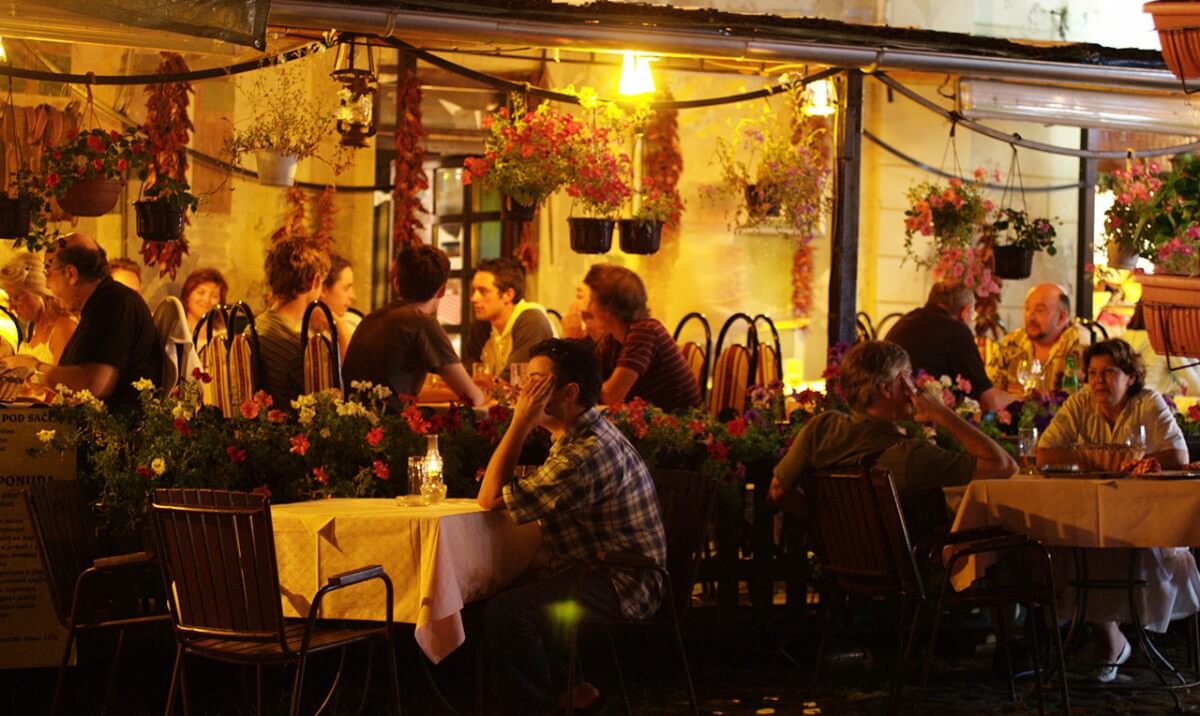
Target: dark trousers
528,628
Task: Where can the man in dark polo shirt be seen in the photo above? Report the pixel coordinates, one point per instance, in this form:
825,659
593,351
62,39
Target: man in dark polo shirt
399,344
115,343
938,340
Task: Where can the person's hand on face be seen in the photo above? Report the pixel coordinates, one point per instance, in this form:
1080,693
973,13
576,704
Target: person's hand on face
535,394
926,406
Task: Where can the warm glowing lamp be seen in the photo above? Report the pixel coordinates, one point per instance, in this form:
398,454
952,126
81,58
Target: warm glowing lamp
636,77
358,95
819,99
3,54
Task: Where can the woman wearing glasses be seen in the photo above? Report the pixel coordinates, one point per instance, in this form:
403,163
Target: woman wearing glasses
1116,408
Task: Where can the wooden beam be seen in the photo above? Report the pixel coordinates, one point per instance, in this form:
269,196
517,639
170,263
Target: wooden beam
843,276
1086,223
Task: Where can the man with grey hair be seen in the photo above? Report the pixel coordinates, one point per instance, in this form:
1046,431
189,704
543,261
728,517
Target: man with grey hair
939,341
1047,337
876,381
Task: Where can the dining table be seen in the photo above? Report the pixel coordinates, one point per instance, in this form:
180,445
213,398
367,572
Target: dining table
439,558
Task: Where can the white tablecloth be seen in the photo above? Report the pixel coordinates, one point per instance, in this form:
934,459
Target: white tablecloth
438,557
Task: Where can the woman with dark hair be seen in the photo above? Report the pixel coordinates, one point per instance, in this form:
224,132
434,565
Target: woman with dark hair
1115,407
638,355
203,289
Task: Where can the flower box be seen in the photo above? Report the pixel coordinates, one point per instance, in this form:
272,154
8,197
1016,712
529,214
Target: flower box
1171,305
1178,26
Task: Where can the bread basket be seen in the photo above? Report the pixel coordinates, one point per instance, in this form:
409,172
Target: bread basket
12,383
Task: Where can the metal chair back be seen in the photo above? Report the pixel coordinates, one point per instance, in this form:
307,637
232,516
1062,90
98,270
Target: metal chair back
770,355
734,368
320,356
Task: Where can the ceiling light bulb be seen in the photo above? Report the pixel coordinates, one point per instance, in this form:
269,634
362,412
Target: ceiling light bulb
819,99
636,77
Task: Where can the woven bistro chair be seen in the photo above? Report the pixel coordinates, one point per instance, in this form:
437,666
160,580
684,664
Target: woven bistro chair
865,549
320,356
734,368
80,582
769,367
697,357
228,354
686,502
218,559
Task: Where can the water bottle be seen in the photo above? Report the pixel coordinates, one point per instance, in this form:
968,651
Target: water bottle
1070,382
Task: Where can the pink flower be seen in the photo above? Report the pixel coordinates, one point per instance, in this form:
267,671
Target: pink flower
276,416
182,427
963,384
736,427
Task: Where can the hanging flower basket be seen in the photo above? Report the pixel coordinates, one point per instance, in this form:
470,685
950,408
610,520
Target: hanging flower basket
1171,305
1178,26
1015,262
513,210
591,236
640,237
275,169
91,197
159,220
14,216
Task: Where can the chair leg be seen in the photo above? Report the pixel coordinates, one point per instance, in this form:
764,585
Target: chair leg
572,659
616,660
1001,615
258,690
298,685
337,679
1062,660
683,660
61,679
113,670
362,702
929,649
176,674
393,670
1037,660
905,632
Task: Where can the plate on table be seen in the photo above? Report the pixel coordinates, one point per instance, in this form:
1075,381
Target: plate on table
1171,475
1076,472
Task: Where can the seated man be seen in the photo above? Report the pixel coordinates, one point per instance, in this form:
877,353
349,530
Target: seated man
938,340
1047,336
399,344
592,495
115,343
876,380
506,326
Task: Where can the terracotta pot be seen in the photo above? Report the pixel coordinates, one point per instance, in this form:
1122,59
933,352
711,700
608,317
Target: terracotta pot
1120,257
275,169
159,221
756,205
513,210
14,217
640,237
1171,307
1178,26
91,197
591,236
1015,262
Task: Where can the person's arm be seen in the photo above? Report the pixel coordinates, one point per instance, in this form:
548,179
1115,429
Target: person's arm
991,461
458,381
63,329
617,386
98,378
527,415
994,399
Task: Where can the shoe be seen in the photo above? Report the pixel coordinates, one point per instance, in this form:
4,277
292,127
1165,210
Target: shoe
1107,673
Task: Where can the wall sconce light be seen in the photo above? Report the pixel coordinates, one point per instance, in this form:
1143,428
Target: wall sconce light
819,99
636,77
359,94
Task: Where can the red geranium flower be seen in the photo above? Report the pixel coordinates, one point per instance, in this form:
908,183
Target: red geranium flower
381,469
320,475
374,436
182,426
236,454
249,410
299,445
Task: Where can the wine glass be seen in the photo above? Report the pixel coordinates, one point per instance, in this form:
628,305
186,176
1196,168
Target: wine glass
517,373
1035,374
1027,450
1135,439
1024,373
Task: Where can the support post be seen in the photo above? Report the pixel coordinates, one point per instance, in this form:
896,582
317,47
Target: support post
1087,225
843,275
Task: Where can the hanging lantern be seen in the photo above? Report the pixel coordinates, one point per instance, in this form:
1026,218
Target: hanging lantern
359,94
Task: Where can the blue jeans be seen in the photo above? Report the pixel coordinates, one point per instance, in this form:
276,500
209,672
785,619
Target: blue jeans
528,628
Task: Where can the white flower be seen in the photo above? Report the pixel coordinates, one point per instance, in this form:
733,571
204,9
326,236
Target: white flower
158,465
930,432
350,408
945,380
968,406
381,392
143,384
45,435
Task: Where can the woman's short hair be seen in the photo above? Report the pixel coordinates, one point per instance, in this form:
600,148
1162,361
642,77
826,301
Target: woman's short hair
337,264
202,276
866,366
27,272
419,272
1123,356
619,291
293,265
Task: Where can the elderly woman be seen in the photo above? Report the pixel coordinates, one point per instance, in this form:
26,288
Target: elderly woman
1115,407
638,355
51,326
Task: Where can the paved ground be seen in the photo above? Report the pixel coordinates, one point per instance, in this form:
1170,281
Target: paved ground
740,667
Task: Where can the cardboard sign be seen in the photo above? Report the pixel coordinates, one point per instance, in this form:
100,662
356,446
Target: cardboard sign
30,634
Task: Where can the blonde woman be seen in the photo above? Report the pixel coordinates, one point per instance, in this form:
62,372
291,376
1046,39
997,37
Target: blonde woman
50,325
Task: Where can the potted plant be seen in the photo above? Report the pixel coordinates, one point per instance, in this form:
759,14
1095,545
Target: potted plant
642,233
600,177
527,156
953,214
287,124
86,173
1017,238
1178,26
22,207
162,215
1131,223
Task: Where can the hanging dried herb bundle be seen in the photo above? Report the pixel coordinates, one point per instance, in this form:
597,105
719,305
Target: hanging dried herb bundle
169,128
410,159
663,160
293,218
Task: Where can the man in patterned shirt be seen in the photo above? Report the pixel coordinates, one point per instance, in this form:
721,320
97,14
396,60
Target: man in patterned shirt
1047,336
593,495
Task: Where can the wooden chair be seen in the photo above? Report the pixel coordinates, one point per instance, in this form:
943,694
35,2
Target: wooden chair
218,557
734,368
769,367
865,549
697,358
320,357
78,579
686,502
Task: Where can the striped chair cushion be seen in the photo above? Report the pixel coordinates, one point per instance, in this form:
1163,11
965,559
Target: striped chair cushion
241,370
730,378
318,364
767,369
214,360
693,355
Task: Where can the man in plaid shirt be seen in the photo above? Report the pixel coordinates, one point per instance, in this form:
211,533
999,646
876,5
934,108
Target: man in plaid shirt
593,495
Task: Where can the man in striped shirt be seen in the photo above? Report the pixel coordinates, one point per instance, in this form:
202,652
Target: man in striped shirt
593,495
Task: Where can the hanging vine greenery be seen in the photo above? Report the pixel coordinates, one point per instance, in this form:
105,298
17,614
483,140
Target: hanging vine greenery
168,127
410,160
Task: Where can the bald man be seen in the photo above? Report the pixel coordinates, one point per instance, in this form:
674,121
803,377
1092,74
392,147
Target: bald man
115,343
1048,336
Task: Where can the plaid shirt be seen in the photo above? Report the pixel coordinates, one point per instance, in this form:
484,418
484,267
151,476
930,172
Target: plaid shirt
594,494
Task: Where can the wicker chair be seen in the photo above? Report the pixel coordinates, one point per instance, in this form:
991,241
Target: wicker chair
218,557
321,359
228,354
697,358
734,368
79,581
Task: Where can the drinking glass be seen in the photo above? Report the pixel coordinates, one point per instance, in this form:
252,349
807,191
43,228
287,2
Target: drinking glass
1024,373
416,478
480,371
1027,450
1136,440
517,373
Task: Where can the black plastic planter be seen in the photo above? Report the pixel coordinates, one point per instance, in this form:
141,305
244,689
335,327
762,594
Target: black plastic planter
14,217
1013,262
640,237
159,221
591,236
